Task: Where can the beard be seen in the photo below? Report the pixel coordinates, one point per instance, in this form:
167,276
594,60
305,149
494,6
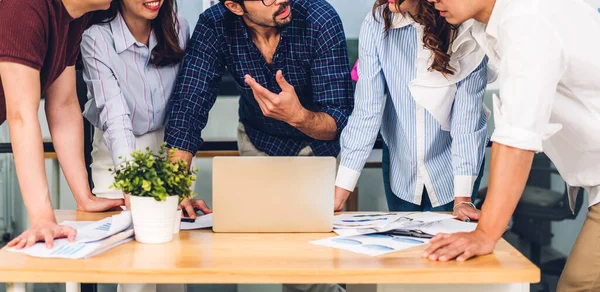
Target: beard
281,23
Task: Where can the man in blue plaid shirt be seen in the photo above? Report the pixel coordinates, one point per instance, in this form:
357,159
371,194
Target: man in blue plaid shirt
290,62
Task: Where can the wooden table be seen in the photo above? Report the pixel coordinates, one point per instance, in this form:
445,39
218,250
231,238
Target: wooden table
202,256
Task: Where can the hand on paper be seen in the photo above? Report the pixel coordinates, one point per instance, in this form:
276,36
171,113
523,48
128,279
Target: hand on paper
462,246
190,206
43,231
341,195
465,211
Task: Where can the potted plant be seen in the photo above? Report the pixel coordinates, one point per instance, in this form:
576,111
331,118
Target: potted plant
156,187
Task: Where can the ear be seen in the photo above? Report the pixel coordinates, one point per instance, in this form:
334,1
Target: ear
234,7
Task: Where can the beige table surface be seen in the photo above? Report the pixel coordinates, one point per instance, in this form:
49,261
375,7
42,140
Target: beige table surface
202,256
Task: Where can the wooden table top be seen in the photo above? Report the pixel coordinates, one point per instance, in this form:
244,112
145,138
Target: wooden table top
202,256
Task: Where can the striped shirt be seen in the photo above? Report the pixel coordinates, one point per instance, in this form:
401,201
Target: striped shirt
422,153
127,96
312,54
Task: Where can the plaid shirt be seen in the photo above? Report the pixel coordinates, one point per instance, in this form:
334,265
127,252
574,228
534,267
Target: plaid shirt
312,54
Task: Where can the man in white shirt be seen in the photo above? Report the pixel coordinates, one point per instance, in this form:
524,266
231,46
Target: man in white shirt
546,54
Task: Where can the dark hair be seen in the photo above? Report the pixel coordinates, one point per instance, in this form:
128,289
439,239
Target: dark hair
166,27
438,34
241,2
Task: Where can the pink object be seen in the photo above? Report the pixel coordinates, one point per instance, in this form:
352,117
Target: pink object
354,72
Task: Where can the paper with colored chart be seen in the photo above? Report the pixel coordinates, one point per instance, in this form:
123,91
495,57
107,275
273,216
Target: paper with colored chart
368,223
372,244
92,238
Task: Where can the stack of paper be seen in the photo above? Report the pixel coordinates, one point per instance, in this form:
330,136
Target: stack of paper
381,233
92,238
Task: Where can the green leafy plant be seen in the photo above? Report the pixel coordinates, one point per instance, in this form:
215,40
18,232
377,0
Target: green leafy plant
149,174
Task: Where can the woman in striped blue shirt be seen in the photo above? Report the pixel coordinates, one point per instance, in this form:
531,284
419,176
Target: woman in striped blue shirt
427,105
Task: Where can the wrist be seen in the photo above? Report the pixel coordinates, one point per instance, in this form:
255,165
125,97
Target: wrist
42,217
300,118
487,233
461,200
83,199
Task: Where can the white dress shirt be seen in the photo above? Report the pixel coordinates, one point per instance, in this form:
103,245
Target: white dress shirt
435,127
127,95
546,53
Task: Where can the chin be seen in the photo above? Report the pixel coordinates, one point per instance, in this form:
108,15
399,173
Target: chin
283,23
454,21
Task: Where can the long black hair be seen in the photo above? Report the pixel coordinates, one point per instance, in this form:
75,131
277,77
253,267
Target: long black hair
166,27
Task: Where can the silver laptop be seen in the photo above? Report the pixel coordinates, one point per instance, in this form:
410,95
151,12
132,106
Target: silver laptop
273,194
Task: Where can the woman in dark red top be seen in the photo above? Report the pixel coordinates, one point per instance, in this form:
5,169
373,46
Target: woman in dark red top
40,43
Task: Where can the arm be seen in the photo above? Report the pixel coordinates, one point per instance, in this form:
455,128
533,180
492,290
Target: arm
331,83
194,95
359,135
522,122
66,127
286,107
318,125
22,92
195,91
469,137
114,117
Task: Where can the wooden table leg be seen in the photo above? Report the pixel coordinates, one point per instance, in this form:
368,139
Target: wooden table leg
89,287
16,287
72,287
513,287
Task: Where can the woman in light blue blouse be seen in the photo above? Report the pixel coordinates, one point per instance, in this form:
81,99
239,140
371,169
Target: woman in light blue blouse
131,54
428,106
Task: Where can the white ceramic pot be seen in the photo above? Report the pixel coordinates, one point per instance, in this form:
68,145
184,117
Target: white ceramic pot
177,224
153,221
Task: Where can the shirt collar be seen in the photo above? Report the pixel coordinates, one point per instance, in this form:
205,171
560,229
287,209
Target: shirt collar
400,20
496,17
123,37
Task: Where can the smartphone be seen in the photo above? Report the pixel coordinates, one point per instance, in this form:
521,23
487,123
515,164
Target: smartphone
188,220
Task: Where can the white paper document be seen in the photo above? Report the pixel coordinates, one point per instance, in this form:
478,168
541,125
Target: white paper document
359,224
381,233
372,244
92,238
204,221
431,229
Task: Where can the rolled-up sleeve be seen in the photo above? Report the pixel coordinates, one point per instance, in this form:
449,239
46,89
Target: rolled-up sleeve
331,80
533,63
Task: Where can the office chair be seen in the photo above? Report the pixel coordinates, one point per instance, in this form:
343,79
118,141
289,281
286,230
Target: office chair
538,207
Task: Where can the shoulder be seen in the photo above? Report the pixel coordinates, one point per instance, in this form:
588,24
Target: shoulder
316,12
97,36
214,16
31,12
98,31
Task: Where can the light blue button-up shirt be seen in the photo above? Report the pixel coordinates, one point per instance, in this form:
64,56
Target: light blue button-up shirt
127,95
397,95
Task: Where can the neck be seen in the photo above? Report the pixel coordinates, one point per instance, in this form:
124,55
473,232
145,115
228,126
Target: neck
486,11
261,33
140,28
76,8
